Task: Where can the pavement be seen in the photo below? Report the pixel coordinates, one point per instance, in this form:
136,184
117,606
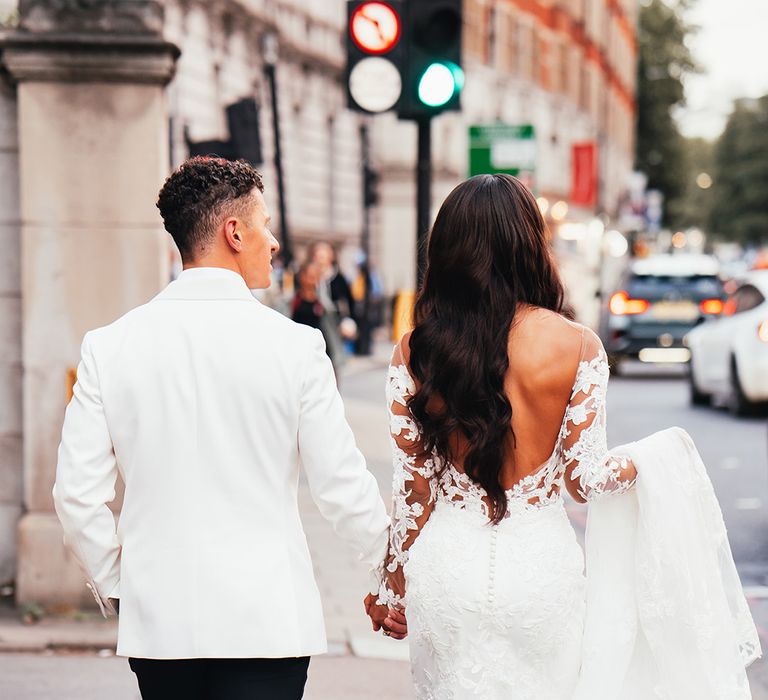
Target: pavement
72,656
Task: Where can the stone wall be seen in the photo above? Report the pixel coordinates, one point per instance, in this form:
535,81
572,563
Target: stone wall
10,336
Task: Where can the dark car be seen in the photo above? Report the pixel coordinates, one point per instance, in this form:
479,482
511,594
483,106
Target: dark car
659,301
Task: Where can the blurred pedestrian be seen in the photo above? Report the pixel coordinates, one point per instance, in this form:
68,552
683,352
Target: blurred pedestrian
307,308
206,402
334,285
340,325
367,291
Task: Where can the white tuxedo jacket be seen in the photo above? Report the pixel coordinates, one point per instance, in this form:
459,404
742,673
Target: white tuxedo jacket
205,401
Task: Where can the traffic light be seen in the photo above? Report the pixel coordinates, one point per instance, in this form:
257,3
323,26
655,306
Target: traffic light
431,68
370,187
374,54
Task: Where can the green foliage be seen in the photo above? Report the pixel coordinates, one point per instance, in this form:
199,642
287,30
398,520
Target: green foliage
663,61
740,191
695,202
10,19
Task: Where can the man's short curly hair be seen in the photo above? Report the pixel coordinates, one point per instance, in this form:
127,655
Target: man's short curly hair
201,192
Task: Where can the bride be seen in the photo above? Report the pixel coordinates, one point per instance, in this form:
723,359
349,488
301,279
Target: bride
497,404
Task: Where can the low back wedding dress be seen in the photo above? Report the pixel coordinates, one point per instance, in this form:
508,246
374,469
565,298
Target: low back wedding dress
498,611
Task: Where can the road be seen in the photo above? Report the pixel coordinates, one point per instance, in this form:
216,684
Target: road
362,665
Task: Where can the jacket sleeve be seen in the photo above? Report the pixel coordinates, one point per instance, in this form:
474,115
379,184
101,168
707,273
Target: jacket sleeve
86,474
345,492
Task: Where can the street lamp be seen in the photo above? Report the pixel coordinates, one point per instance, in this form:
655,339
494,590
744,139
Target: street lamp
270,54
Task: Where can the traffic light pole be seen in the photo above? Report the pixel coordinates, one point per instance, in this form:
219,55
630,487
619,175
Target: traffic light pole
423,193
363,345
285,242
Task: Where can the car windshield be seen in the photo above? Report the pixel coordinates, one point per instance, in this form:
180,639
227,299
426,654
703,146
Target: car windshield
697,287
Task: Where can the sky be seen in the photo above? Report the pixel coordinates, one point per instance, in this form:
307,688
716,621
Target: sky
732,48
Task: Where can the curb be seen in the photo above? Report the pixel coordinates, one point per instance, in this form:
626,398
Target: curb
57,634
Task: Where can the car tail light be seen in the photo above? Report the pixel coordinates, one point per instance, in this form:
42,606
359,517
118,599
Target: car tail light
621,305
762,331
711,306
729,308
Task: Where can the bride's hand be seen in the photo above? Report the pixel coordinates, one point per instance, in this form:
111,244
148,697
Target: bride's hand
396,626
392,621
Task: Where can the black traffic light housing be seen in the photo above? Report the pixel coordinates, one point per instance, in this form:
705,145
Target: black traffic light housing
357,52
432,34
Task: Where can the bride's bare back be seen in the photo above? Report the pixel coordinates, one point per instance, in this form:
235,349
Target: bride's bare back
544,353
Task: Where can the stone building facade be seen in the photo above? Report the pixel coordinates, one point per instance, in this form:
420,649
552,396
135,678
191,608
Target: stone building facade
565,66
221,62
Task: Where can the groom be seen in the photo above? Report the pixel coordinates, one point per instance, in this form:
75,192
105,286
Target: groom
206,402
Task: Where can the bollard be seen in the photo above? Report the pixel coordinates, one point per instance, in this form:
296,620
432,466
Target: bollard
402,315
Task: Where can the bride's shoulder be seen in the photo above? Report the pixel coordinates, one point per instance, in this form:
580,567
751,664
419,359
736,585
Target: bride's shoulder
551,328
550,347
401,353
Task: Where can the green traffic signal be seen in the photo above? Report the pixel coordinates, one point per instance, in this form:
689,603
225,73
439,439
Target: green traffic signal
439,83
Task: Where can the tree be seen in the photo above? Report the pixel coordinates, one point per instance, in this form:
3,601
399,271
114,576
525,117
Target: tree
663,61
695,203
740,190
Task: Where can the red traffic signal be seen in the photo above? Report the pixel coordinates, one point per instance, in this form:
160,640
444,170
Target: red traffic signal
374,54
375,27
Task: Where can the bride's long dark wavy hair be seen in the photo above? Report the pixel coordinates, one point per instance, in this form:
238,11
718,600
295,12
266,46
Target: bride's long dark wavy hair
487,253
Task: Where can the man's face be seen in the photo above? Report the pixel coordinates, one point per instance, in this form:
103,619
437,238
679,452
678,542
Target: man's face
259,245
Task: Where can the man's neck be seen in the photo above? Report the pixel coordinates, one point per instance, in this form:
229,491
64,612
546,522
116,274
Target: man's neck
212,261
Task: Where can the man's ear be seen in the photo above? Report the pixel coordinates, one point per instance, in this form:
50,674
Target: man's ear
233,235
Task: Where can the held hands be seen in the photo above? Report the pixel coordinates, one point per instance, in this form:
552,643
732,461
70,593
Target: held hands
392,621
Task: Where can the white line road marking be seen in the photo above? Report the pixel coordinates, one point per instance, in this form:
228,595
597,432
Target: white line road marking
748,504
756,591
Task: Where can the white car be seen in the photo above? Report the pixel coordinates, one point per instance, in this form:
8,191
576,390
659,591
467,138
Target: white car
729,354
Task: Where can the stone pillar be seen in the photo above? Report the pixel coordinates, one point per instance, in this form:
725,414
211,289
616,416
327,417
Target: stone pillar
93,144
10,337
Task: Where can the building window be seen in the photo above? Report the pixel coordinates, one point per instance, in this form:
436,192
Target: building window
491,58
584,86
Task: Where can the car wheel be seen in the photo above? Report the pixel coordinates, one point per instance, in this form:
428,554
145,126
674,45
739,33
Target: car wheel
697,397
738,403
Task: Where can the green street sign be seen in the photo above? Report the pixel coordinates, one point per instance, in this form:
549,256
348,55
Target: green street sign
503,148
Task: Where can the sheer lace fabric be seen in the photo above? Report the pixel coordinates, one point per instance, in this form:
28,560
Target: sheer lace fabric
420,479
495,610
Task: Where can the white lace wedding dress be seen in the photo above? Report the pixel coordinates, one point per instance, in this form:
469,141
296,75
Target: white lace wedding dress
504,612
496,611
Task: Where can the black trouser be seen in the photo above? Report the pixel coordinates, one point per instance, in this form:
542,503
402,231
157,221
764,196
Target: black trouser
221,679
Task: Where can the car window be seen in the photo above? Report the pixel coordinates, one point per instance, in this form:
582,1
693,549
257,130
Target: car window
697,287
745,298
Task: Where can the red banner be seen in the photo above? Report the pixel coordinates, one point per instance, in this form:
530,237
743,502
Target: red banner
584,174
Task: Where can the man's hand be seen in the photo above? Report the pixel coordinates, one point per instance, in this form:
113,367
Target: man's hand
392,621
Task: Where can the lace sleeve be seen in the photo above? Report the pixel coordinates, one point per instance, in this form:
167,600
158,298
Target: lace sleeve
590,469
414,484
